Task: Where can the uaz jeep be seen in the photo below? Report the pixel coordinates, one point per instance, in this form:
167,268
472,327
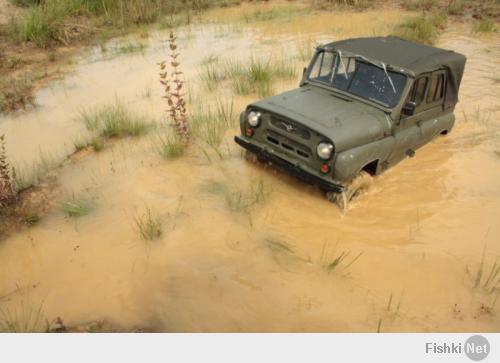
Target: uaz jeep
362,106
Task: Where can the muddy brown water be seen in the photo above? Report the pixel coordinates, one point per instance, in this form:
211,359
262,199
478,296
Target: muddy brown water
419,231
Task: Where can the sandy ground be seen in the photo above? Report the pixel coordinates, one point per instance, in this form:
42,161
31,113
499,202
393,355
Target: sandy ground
420,231
7,11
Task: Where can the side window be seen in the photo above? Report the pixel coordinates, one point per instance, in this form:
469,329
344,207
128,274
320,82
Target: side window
345,69
418,92
316,67
436,88
323,67
327,65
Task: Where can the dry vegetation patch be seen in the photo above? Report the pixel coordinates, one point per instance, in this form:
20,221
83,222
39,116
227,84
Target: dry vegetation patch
31,205
21,203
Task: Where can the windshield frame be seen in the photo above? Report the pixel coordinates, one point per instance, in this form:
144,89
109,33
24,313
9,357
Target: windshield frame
330,86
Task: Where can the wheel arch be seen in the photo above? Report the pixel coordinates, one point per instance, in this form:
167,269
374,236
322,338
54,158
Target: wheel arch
372,167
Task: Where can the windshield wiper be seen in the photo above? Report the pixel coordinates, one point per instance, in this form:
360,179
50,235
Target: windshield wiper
343,65
388,77
384,68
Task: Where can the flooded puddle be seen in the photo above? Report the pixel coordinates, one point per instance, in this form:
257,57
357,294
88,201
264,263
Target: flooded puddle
405,257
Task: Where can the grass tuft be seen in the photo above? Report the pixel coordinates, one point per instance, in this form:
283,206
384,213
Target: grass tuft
96,143
39,170
115,121
212,75
26,319
257,77
43,24
77,206
170,146
32,219
149,225
331,259
210,124
487,277
278,246
129,48
237,199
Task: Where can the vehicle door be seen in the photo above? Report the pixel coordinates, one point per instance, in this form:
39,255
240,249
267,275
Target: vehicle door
408,132
433,118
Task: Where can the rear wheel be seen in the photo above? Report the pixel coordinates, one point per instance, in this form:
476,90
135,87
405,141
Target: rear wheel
352,190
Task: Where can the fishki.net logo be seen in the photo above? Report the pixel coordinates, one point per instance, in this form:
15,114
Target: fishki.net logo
475,347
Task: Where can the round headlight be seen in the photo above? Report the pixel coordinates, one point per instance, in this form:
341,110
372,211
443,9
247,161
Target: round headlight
253,118
324,150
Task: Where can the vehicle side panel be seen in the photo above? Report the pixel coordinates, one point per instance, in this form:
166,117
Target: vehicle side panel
435,123
350,162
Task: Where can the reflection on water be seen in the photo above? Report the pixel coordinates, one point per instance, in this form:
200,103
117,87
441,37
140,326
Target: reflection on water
419,231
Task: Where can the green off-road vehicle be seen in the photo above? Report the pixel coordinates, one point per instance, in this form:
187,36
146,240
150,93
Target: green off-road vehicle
362,106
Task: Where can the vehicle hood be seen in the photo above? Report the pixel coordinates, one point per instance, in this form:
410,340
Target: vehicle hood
347,122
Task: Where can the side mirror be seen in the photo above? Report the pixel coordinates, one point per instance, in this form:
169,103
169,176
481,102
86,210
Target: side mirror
409,108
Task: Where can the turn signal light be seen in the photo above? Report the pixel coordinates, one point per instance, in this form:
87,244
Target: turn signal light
249,132
325,168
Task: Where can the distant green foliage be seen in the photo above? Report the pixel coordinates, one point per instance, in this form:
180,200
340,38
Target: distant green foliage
47,21
485,25
26,3
354,4
276,12
421,29
456,7
420,4
43,23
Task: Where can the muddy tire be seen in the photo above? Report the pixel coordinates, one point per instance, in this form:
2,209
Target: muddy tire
251,157
352,190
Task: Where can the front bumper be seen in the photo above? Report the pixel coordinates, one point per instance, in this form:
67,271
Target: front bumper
283,164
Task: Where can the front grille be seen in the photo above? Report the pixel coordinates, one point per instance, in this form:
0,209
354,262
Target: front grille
288,145
290,127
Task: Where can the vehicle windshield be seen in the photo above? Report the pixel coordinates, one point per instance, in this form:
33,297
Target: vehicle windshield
358,77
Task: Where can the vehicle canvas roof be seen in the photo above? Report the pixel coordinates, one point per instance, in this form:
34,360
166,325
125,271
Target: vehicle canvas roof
408,57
